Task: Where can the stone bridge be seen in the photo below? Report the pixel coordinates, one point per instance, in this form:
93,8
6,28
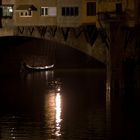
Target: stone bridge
84,38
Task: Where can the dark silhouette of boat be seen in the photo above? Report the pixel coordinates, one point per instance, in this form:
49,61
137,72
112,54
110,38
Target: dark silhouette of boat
37,68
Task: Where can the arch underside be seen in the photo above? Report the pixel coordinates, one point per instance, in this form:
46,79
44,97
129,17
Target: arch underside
41,52
85,38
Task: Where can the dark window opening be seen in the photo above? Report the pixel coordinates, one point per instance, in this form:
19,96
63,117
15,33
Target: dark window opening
91,8
21,13
1,12
41,11
29,12
63,11
118,8
76,11
70,11
67,11
138,9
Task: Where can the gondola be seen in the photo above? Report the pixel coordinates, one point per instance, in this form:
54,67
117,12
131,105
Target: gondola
37,68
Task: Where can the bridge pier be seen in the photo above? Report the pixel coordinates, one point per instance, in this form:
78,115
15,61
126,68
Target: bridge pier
121,65
115,57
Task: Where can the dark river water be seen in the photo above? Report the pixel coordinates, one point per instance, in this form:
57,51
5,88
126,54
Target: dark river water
59,104
64,105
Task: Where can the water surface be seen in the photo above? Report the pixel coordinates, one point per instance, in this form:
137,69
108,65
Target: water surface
60,104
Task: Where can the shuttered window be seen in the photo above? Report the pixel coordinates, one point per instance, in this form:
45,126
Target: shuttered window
70,11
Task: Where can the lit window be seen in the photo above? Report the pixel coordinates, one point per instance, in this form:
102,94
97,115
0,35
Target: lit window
44,11
7,11
48,11
52,11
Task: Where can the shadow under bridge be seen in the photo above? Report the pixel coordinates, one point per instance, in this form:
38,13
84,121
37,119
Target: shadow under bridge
41,52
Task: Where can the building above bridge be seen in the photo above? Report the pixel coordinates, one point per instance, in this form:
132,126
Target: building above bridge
64,13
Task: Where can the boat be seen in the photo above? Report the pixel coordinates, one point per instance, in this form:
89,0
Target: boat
37,68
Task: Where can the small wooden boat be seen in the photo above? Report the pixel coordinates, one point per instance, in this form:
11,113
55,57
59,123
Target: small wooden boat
37,68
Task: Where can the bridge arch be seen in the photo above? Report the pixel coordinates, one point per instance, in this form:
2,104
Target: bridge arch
17,49
85,38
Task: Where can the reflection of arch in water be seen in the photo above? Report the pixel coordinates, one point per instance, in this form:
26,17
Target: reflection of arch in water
41,78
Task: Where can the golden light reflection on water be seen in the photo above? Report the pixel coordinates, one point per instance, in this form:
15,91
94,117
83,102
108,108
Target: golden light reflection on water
53,110
58,114
50,112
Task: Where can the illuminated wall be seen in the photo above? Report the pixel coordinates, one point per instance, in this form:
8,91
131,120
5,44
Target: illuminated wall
35,17
70,13
89,11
